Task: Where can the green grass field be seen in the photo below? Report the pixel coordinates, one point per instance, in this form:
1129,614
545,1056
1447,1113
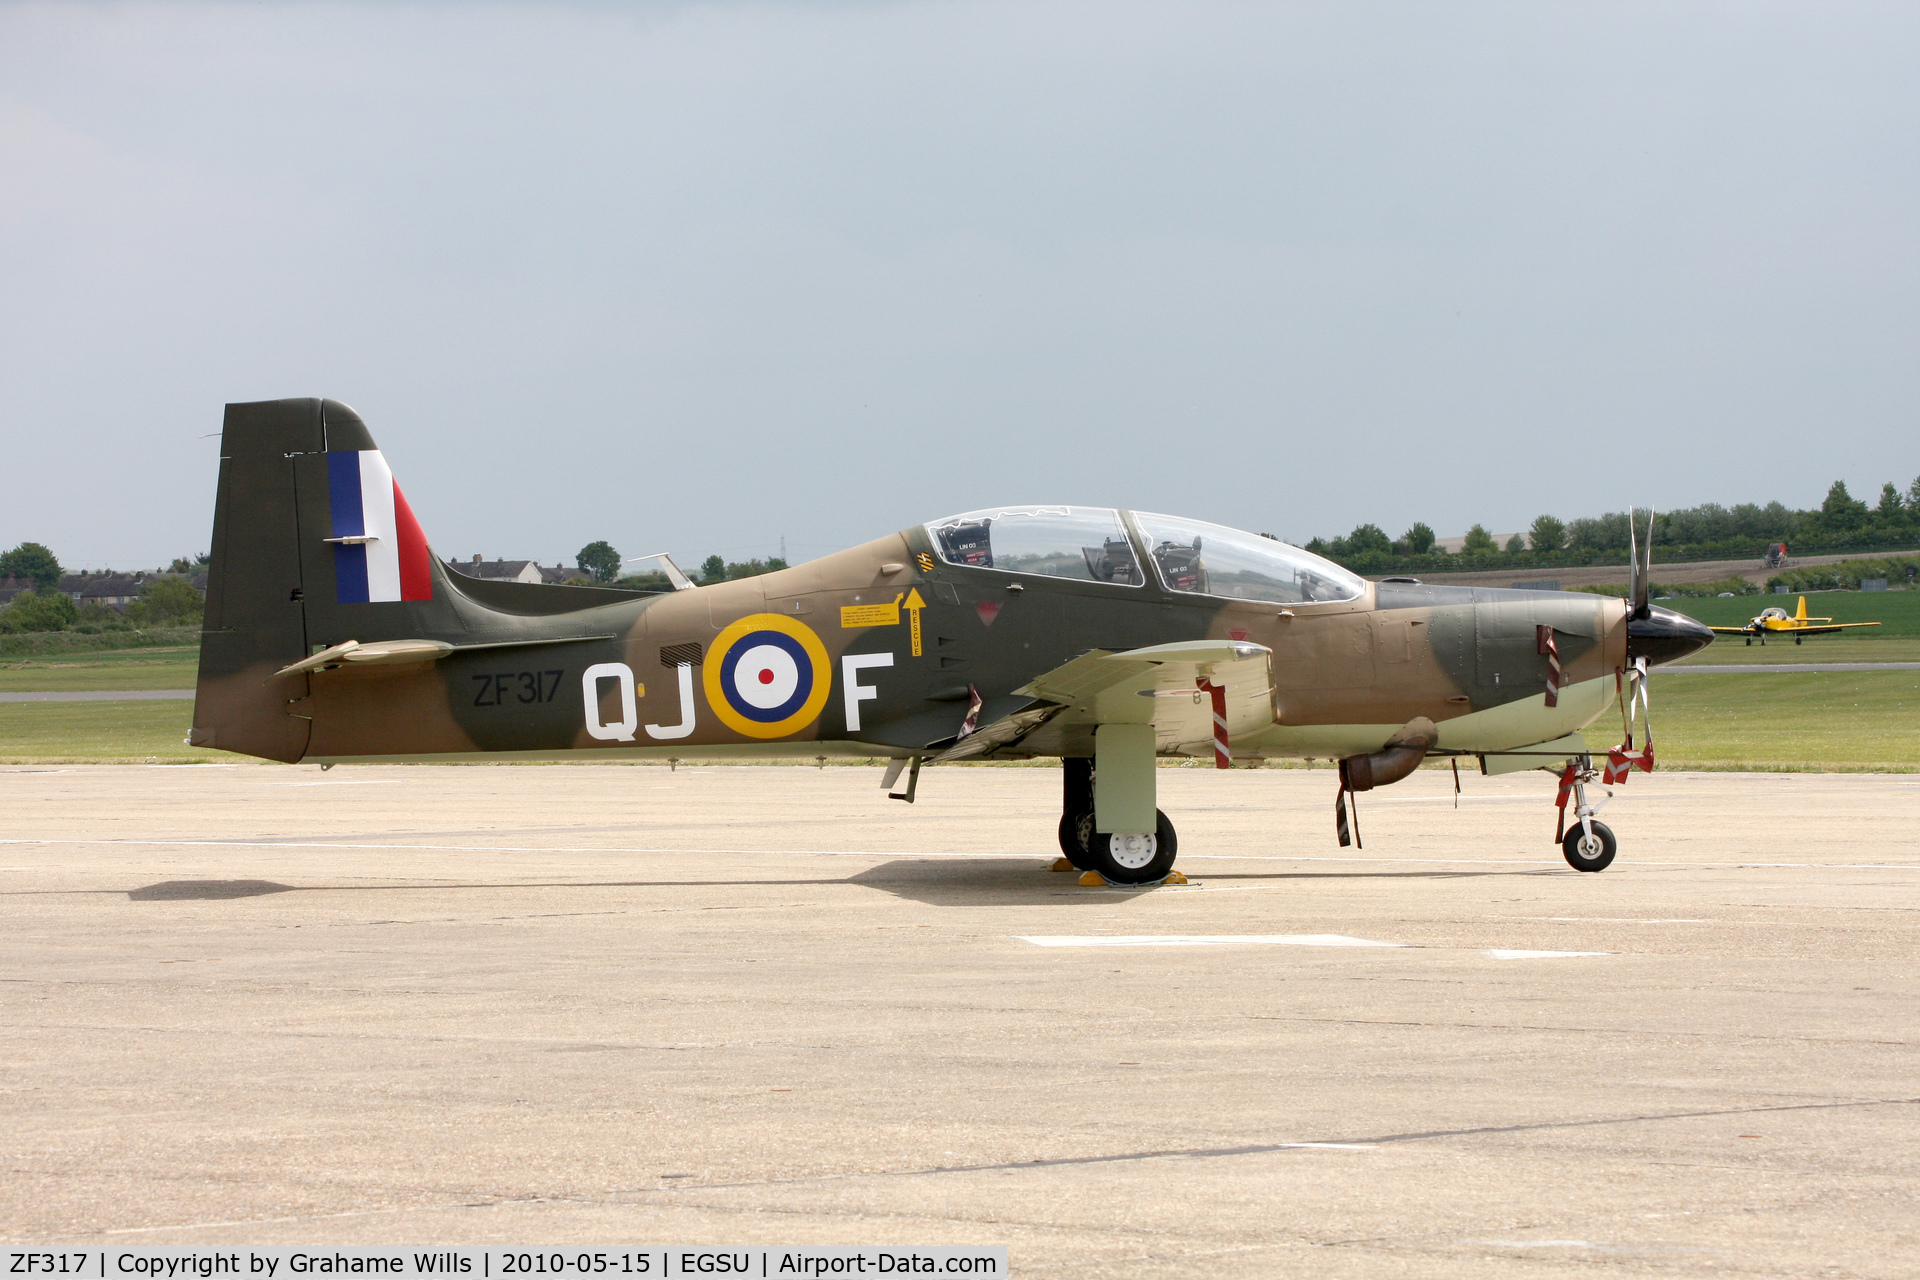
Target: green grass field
1896,639
1801,722
98,732
168,668
54,644
1735,651
1811,722
1897,612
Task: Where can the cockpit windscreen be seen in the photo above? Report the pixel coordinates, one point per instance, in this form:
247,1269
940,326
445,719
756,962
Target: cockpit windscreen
1211,559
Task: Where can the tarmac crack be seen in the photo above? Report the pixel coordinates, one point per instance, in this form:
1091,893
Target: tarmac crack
1272,1148
1602,1031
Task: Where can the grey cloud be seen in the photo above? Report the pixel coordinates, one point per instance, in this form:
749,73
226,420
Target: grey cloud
696,276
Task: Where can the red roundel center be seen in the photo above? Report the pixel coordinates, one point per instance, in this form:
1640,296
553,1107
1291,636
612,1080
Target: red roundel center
766,675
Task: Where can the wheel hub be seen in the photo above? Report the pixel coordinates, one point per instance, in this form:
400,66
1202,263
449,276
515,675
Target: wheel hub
1133,851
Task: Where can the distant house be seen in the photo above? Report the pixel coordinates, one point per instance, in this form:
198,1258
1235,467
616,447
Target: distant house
102,586
1452,546
105,587
514,570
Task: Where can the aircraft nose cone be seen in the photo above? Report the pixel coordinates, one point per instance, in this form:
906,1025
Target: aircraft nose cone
1666,636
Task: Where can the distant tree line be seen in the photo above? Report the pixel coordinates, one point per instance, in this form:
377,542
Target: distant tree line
166,599
1708,532
600,565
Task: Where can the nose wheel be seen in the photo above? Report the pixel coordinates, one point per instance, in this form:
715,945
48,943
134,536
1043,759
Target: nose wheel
1589,850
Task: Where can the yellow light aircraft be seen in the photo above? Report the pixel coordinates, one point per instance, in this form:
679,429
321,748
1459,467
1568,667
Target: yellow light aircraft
1776,622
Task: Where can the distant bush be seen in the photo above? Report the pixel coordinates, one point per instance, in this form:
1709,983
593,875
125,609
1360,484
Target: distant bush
1846,575
40,643
1735,585
95,618
166,602
1841,523
39,611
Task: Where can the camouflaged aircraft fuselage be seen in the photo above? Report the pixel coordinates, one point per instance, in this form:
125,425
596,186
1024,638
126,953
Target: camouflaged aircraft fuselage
332,635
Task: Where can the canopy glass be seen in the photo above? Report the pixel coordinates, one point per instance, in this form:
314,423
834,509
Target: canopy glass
1091,544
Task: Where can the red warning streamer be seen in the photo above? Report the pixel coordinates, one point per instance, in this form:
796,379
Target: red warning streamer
1555,675
1222,757
1560,803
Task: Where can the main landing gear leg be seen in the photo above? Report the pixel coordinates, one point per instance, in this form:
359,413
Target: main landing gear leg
1132,842
1076,812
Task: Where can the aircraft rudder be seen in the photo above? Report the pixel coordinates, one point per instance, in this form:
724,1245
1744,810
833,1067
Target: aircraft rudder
255,620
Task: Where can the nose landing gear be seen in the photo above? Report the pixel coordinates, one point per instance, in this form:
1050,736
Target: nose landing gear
1588,845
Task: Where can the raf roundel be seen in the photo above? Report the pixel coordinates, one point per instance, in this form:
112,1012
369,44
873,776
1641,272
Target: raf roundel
767,676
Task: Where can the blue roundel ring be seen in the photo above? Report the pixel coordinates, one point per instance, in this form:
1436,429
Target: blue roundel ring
797,643
803,688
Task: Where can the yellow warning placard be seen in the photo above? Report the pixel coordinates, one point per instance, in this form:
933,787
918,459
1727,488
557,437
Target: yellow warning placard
872,615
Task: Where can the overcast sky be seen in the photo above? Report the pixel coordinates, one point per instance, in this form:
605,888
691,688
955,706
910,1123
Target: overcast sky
693,277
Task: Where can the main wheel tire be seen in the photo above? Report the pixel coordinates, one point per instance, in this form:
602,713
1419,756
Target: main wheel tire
1586,853
1076,830
1134,859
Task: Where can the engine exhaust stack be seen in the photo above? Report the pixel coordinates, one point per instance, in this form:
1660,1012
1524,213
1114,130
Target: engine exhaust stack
1400,756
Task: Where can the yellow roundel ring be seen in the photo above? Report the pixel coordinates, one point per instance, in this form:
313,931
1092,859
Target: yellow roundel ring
767,676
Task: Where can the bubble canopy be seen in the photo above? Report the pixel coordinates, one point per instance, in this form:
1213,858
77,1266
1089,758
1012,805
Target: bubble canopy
1092,544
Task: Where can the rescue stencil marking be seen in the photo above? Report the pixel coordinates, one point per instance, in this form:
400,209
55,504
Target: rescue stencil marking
767,676
914,605
379,551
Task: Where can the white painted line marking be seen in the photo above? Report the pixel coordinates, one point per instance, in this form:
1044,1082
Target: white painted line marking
495,848
1599,920
1555,862
1473,862
914,853
345,782
1202,940
1498,954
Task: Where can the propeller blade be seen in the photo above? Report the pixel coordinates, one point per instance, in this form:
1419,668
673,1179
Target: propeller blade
1633,565
1641,578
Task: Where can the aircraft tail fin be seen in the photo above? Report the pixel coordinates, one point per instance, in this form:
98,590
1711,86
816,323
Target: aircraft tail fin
313,543
1801,613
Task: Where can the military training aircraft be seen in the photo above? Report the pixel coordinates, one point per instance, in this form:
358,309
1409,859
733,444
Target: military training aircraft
1107,638
1776,621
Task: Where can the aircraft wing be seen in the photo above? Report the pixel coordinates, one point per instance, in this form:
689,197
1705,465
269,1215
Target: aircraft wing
1732,631
1157,685
1826,629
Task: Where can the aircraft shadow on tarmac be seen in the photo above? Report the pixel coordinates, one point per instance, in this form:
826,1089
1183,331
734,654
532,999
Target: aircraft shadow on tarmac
943,882
1008,882
205,890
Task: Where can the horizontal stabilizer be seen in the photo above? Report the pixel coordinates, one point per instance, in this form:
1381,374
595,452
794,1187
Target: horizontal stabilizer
388,652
